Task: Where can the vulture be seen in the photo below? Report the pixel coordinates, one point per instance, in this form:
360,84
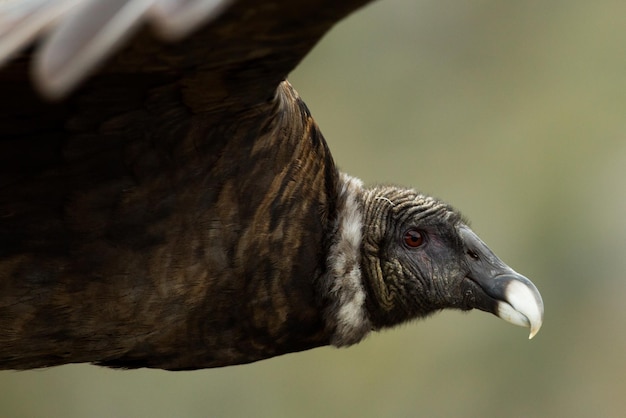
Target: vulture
167,200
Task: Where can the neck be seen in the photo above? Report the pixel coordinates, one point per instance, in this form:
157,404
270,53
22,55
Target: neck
346,316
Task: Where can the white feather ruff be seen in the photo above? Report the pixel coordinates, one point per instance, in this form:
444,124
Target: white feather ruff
347,314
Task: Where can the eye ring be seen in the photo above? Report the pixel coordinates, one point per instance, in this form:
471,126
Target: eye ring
414,238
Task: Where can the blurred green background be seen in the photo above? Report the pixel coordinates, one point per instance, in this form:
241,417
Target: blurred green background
514,112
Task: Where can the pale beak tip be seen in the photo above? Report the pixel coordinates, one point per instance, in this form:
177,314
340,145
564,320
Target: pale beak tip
534,329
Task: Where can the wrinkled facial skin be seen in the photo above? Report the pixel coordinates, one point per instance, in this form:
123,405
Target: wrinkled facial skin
421,280
425,258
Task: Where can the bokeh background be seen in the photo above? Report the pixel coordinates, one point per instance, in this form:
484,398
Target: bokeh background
513,111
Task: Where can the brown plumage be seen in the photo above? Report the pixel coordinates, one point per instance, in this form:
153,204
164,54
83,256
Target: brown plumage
180,209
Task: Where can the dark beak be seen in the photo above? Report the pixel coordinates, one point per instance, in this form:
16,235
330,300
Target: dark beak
512,296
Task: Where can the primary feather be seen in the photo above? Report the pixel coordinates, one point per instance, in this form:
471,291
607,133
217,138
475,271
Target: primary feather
81,34
22,21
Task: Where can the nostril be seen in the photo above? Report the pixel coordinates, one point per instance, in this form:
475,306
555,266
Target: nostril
473,254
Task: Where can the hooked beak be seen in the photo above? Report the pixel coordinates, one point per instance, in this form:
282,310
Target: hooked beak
507,294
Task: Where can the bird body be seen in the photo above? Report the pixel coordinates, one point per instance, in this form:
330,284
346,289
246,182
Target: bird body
179,234
182,210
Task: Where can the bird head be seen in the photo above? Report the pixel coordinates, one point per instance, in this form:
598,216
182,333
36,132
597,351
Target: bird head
418,256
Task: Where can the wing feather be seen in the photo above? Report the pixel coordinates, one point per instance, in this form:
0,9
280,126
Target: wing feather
88,35
22,21
83,33
175,19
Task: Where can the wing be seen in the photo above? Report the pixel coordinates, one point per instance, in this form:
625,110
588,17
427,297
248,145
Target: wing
143,217
79,35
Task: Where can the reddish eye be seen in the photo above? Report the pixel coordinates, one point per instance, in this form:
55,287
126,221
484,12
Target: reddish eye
413,238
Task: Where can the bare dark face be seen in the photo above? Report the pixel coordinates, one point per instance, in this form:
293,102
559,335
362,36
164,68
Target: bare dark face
426,259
